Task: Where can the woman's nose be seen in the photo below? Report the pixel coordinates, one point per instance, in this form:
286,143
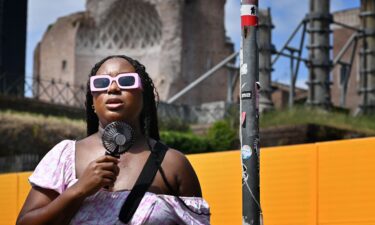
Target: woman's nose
113,88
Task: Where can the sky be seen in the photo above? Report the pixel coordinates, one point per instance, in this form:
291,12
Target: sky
286,14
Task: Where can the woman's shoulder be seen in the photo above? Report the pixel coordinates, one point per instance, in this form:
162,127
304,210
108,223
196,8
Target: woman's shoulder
55,171
63,147
184,172
64,143
172,155
176,157
175,153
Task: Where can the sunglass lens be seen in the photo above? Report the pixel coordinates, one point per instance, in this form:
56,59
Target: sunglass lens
101,82
126,81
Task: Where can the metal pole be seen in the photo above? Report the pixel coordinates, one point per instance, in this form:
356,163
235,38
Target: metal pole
347,26
344,76
306,61
249,108
367,71
343,50
292,83
320,64
287,42
265,68
302,41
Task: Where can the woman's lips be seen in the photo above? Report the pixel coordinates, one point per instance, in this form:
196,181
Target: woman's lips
113,103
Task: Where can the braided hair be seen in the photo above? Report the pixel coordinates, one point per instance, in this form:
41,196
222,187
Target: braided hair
148,118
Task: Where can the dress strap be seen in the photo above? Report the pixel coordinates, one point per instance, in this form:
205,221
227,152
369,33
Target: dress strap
144,181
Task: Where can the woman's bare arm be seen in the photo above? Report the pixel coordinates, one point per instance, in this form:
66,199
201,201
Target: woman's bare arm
45,206
186,179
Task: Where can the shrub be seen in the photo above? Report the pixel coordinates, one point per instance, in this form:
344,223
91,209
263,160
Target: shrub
185,142
222,136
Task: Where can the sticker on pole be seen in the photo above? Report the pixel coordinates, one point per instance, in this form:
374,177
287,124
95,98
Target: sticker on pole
243,118
246,152
246,95
249,15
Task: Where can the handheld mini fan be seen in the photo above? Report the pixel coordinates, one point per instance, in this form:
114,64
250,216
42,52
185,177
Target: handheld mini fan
117,138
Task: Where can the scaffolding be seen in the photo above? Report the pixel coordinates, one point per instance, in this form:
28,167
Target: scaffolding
367,58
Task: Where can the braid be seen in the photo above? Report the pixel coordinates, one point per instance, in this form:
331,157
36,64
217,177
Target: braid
92,120
148,118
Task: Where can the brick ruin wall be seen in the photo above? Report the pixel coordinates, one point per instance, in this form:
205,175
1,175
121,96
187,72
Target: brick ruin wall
177,41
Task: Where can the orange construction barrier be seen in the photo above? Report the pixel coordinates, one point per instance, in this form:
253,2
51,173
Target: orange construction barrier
328,183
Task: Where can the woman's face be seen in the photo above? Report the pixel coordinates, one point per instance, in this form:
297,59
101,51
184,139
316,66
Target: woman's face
116,104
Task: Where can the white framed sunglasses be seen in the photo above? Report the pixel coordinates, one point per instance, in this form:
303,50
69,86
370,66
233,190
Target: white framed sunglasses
123,81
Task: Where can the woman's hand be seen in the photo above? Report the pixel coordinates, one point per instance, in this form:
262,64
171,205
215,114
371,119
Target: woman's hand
45,206
99,173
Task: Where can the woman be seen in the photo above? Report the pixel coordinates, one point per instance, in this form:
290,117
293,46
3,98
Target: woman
77,183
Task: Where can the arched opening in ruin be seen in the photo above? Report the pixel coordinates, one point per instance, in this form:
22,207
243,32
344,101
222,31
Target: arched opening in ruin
128,25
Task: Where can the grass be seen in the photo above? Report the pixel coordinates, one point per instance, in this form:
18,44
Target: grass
24,133
303,115
37,133
296,116
35,118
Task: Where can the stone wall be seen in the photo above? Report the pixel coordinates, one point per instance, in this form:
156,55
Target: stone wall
206,113
55,56
133,28
204,46
176,40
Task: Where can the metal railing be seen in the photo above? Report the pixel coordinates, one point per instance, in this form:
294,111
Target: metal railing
52,91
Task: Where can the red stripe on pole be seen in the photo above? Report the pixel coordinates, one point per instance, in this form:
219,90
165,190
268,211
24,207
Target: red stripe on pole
249,21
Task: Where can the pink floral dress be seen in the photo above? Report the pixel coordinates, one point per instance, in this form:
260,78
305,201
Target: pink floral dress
56,171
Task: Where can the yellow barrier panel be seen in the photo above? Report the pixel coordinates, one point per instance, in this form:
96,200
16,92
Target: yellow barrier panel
8,198
288,181
347,182
330,183
220,178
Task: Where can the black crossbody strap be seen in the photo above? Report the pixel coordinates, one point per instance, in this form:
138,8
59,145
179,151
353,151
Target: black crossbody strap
143,182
